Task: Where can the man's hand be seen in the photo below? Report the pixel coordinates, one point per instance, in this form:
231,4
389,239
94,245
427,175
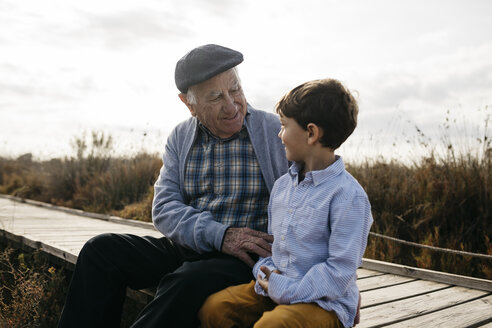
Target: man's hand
263,282
239,242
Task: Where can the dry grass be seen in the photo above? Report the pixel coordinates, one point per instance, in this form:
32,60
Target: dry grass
92,181
31,290
443,199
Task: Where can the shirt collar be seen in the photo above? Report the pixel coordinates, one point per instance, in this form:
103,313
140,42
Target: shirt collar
319,176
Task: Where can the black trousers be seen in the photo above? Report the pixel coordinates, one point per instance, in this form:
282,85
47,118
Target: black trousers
109,263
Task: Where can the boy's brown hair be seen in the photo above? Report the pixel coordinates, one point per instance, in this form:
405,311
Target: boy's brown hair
326,103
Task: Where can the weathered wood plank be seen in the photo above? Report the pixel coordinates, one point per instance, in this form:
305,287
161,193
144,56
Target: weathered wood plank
381,282
462,315
416,306
447,278
399,292
14,204
365,273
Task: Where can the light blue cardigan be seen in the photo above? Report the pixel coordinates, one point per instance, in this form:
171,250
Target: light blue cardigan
184,224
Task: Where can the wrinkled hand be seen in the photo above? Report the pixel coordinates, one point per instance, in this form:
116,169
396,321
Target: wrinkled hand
239,242
263,282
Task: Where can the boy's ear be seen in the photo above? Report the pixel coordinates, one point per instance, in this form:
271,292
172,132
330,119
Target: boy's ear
183,98
314,133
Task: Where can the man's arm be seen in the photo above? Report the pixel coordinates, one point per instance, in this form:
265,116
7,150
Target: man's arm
178,221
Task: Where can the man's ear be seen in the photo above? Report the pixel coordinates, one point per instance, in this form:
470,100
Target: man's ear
183,98
314,133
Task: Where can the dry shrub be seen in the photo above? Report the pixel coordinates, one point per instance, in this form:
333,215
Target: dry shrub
93,181
141,211
31,291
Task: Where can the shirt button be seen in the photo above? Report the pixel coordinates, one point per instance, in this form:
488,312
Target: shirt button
283,265
283,237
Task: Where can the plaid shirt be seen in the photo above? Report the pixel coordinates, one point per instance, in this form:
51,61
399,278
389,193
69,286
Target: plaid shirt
223,176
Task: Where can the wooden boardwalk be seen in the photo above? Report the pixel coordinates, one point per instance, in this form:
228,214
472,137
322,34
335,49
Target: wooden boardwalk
392,295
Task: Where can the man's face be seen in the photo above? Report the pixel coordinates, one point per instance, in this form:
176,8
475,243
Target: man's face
220,104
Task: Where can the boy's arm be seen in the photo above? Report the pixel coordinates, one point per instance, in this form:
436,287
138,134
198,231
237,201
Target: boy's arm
350,222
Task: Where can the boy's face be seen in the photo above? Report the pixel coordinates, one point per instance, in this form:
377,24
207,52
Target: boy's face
294,138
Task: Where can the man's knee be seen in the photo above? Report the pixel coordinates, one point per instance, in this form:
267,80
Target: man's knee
96,244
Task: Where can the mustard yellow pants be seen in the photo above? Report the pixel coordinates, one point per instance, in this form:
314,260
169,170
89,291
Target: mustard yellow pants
240,306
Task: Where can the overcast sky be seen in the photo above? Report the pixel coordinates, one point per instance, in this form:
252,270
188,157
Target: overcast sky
72,66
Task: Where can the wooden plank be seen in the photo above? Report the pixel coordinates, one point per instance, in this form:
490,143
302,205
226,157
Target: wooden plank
399,292
42,228
14,206
16,203
381,282
409,308
463,315
28,244
365,273
447,278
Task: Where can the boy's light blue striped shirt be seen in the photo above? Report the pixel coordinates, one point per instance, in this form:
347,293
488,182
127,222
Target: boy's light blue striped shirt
320,229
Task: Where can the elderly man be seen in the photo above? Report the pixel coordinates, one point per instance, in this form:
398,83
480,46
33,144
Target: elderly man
210,203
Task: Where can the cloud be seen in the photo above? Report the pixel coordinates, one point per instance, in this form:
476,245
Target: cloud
437,81
222,8
128,28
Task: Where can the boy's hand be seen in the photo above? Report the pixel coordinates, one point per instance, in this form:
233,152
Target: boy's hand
264,281
239,242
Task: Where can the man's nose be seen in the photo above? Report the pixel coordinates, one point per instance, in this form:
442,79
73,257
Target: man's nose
229,105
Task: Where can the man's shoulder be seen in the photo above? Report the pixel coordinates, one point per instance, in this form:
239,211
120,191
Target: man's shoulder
258,114
186,124
183,128
182,132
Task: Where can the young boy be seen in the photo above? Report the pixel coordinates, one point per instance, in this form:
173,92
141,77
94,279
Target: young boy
320,218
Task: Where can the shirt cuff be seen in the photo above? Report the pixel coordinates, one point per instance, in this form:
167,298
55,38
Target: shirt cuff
214,232
277,288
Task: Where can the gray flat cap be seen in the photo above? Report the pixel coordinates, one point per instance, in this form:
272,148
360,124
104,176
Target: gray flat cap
203,63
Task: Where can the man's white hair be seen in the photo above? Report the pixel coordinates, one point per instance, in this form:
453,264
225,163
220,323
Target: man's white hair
191,93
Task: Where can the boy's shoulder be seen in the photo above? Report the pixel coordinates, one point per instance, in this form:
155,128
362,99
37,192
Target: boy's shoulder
348,184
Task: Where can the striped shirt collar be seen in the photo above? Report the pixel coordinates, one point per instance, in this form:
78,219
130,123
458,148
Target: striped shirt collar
319,176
